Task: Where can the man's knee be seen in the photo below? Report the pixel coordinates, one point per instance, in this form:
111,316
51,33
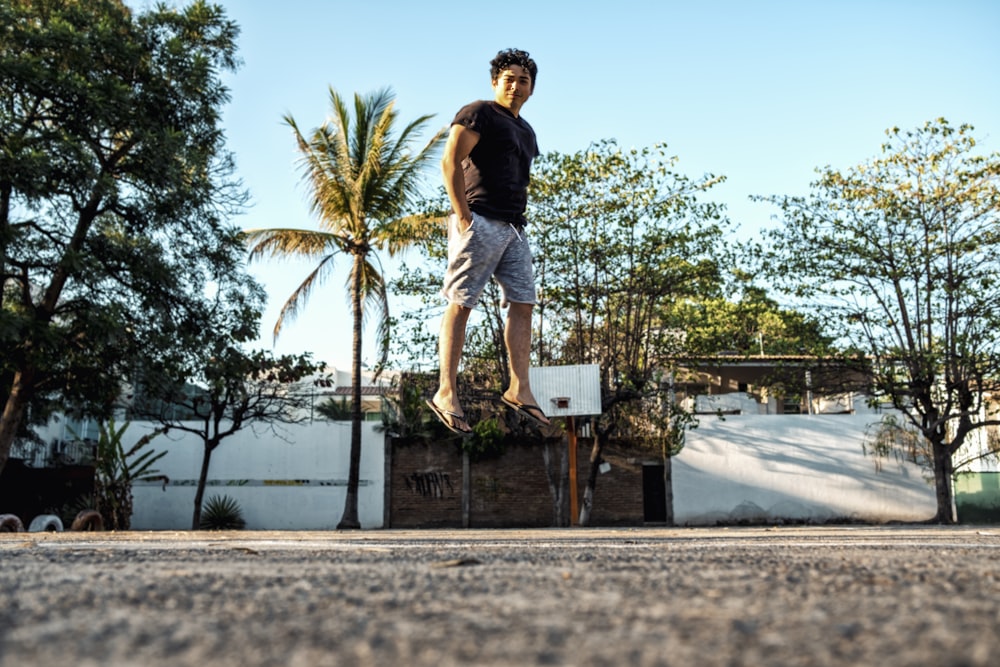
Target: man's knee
520,309
456,314
459,310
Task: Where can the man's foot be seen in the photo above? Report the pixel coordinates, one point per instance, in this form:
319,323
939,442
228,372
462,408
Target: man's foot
527,410
453,421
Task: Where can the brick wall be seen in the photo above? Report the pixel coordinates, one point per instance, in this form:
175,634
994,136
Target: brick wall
512,490
618,493
425,489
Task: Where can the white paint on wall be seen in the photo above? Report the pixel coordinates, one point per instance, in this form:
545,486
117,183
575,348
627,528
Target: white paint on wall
293,482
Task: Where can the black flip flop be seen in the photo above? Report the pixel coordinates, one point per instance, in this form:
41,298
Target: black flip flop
523,410
443,416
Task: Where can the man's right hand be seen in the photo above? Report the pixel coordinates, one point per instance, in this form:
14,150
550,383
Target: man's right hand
465,221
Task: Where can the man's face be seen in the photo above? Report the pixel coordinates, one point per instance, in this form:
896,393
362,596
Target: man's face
512,87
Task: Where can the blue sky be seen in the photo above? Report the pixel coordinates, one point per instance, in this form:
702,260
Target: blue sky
762,92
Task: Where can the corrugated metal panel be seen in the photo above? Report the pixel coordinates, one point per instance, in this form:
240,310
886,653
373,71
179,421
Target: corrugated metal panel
366,390
580,385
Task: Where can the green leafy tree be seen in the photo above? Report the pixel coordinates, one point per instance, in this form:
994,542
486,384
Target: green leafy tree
224,391
752,324
803,357
901,254
363,179
115,190
622,235
403,408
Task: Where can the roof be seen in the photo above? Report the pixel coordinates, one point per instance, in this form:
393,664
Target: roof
365,391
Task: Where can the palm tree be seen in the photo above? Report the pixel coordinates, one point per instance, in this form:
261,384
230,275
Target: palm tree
362,181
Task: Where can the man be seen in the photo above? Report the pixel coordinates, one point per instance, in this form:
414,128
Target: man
486,165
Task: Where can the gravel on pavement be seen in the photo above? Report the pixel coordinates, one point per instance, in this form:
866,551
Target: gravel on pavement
865,595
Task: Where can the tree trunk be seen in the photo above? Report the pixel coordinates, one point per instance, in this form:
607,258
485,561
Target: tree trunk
349,521
24,378
199,494
557,483
668,488
943,470
588,492
466,490
13,413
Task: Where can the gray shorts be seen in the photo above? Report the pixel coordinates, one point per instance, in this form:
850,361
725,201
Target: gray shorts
488,248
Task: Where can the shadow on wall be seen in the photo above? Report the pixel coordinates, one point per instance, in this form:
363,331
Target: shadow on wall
809,468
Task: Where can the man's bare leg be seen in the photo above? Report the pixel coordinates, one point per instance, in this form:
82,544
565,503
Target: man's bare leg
450,343
517,336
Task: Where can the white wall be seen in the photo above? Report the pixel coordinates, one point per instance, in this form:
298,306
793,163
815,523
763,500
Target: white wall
295,483
755,467
770,467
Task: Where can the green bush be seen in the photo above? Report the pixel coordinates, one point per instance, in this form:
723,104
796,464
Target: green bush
222,513
115,469
487,441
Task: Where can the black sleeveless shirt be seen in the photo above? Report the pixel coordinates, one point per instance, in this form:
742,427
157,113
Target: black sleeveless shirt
497,169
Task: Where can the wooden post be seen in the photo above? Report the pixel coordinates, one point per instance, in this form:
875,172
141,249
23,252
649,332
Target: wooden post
574,505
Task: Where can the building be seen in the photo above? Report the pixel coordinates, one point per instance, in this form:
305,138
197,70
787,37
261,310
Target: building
756,456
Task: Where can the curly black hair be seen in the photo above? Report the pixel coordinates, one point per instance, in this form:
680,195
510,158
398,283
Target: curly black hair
509,57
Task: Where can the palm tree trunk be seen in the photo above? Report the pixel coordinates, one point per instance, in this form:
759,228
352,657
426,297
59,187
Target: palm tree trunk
350,517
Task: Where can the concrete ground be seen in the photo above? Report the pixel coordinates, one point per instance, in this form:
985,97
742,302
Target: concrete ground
896,595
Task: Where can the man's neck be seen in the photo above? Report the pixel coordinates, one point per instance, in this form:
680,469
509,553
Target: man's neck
514,111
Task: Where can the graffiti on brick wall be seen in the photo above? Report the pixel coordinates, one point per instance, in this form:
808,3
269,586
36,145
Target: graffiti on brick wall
489,489
429,484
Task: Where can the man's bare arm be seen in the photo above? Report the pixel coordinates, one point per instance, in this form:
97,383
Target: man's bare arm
461,141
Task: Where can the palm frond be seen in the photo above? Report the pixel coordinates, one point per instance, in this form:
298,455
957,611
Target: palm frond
400,154
336,199
402,183
343,146
396,235
370,110
379,149
282,243
325,163
290,309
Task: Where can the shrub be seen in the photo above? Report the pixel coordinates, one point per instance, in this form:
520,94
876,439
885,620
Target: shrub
222,513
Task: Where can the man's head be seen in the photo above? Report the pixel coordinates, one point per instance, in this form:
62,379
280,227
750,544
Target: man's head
513,74
508,57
